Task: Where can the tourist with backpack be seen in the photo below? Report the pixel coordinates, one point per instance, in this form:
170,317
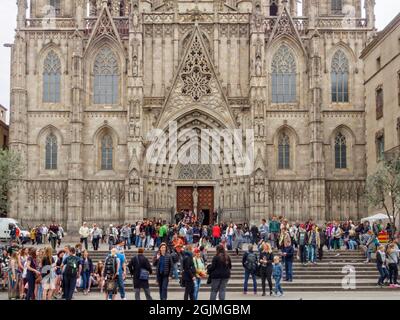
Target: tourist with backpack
140,269
72,271
302,240
121,270
250,265
266,261
110,274
112,236
164,266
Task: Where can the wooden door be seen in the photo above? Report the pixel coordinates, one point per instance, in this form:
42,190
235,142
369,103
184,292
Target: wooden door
206,200
184,198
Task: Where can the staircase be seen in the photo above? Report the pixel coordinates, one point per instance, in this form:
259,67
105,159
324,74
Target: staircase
324,276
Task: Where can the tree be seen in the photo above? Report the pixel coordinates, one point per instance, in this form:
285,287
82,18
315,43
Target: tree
10,172
383,188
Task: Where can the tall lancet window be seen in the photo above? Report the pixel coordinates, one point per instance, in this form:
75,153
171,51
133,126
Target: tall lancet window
340,77
283,76
284,152
106,77
107,152
51,78
340,152
51,152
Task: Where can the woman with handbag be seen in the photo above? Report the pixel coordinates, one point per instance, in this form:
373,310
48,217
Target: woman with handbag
266,267
140,269
219,273
31,274
48,274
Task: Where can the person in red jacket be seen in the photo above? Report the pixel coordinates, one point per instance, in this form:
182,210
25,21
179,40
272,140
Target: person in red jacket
216,234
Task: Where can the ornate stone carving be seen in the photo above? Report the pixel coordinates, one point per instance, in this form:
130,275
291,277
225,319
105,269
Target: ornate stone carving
196,73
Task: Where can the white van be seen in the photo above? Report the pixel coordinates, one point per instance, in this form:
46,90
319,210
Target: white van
5,231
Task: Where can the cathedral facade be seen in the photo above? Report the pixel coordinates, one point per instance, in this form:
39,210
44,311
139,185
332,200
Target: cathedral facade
91,79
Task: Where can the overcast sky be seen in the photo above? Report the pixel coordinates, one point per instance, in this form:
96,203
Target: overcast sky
385,11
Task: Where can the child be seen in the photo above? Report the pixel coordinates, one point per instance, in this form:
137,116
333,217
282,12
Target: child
277,275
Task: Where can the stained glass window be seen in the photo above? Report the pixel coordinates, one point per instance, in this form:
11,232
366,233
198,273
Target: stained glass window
283,76
52,78
51,152
340,152
284,152
106,153
106,77
340,77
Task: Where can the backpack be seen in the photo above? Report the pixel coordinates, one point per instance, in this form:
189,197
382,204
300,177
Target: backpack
71,266
110,267
251,262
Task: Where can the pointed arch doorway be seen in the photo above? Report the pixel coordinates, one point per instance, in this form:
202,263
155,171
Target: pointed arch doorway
185,198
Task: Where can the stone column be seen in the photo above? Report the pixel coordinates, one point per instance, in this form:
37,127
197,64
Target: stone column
75,165
317,165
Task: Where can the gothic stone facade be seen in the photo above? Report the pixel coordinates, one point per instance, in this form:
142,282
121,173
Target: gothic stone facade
90,79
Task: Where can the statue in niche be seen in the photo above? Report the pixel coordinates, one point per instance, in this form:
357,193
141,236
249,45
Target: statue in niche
195,199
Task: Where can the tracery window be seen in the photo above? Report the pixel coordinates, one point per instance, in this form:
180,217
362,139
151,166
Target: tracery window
283,76
107,152
340,77
51,152
51,78
340,152
336,7
196,72
284,152
56,4
106,77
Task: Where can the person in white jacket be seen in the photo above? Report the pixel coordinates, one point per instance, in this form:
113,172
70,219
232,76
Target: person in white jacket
84,233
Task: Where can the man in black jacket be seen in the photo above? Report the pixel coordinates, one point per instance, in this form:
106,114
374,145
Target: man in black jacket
140,270
189,273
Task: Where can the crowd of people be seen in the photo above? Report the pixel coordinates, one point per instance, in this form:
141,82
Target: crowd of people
181,253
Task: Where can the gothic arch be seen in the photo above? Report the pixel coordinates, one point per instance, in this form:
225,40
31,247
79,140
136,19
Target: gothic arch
90,57
100,133
350,154
40,64
299,55
41,143
293,143
186,39
352,66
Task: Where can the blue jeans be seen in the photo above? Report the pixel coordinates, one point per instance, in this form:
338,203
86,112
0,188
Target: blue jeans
138,242
278,287
175,273
289,270
148,238
230,241
197,284
383,272
246,280
85,280
311,253
121,286
127,243
352,245
163,286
